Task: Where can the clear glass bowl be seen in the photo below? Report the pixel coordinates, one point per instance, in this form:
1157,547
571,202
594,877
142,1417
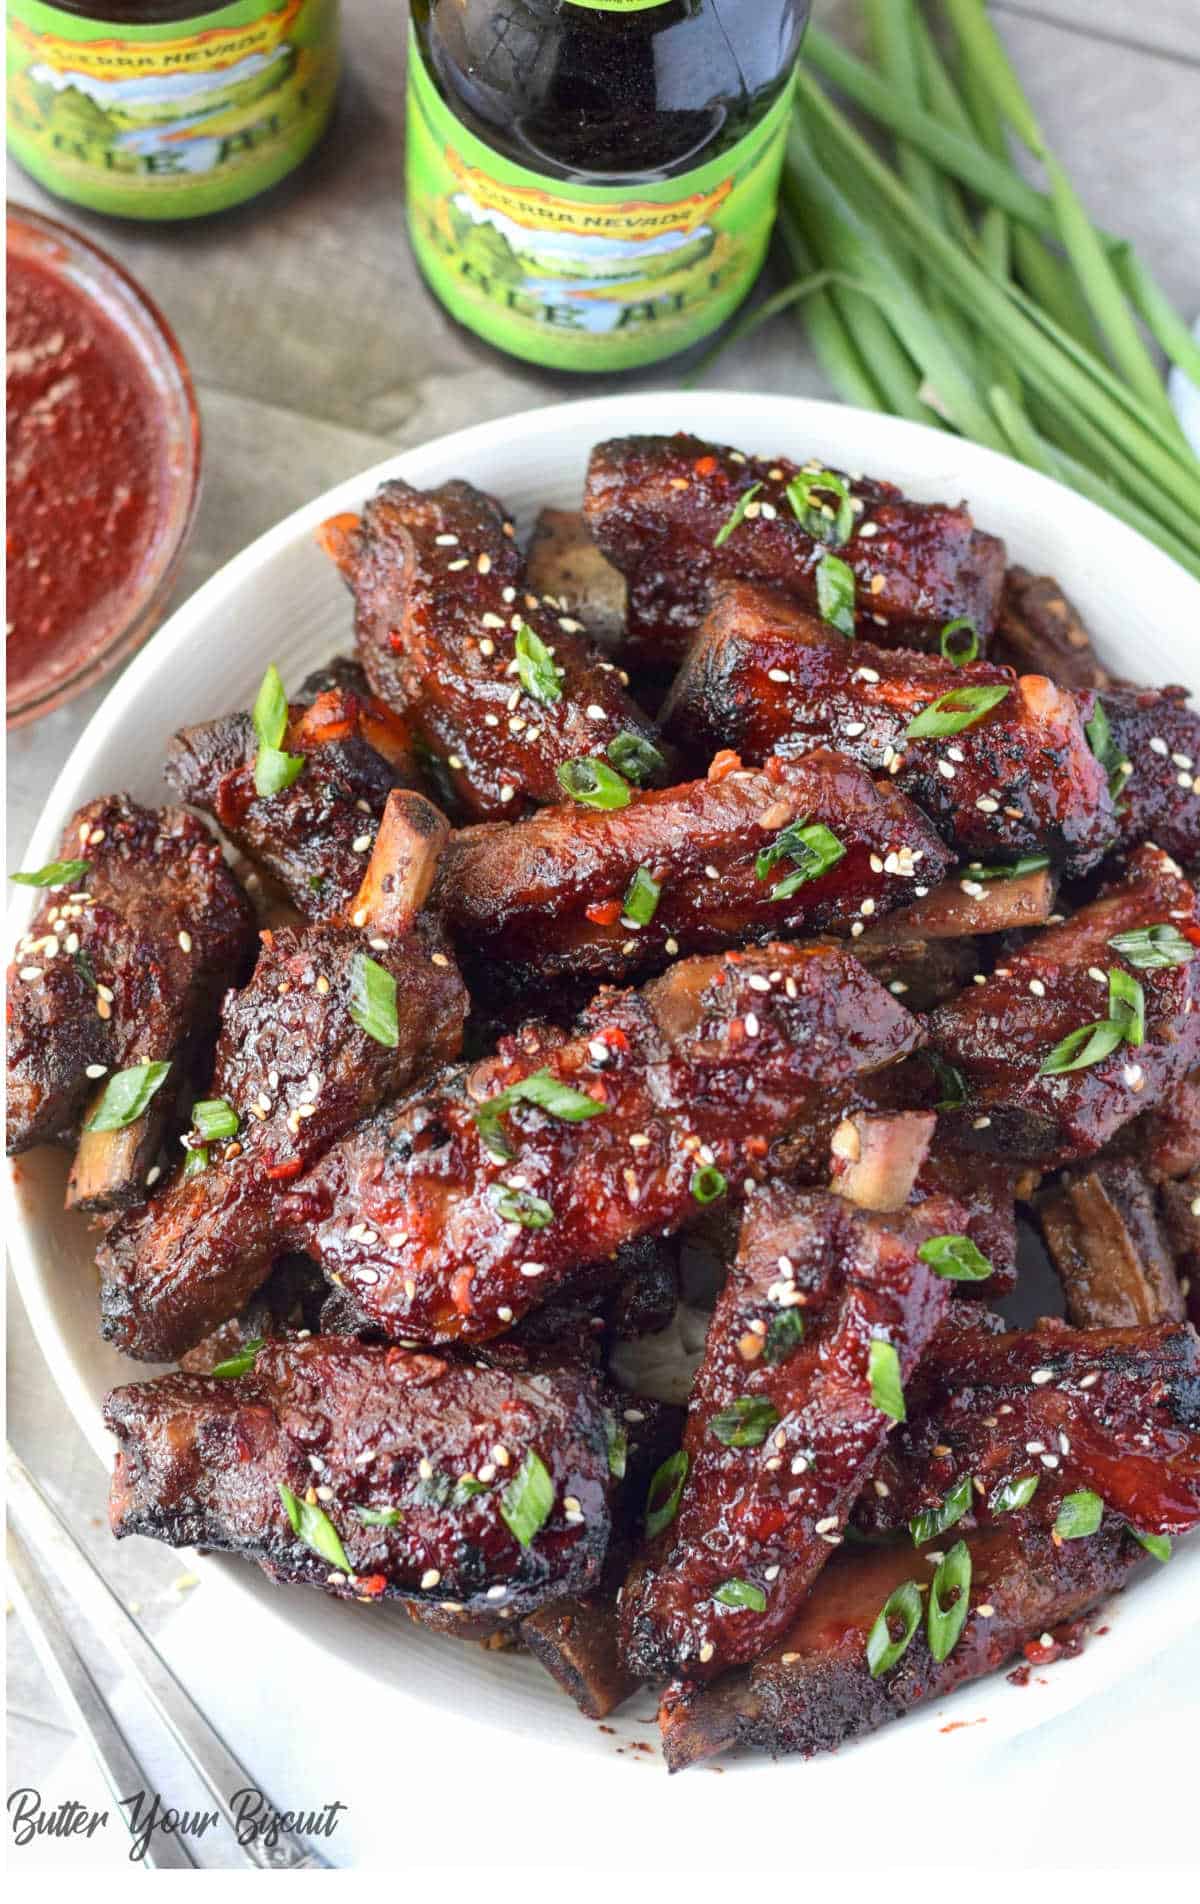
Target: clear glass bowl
135,611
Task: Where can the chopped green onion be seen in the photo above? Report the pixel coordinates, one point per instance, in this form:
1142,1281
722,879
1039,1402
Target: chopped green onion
618,1451
956,1258
1029,863
951,1082
641,898
745,1423
1080,1049
126,1096
738,516
314,1527
952,712
1013,1494
836,594
741,1594
213,1118
240,1363
379,1516
592,784
373,1000
663,1494
195,1160
274,770
521,1206
59,872
785,1332
1079,1515
526,1502
708,1183
813,851
1150,947
935,1520
883,1368
884,1648
1158,1546
1127,1006
535,666
637,759
271,709
1100,739
959,653
823,522
946,1618
547,1092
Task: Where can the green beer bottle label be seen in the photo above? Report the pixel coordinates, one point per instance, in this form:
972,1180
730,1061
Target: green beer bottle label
173,120
584,277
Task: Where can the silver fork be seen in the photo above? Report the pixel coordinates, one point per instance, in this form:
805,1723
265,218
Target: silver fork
47,1537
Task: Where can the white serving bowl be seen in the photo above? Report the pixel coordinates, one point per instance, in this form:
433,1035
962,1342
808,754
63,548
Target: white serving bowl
281,600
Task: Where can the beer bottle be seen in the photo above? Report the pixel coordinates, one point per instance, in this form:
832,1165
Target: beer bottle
592,183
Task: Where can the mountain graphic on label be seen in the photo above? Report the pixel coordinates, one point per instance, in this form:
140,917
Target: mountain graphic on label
573,263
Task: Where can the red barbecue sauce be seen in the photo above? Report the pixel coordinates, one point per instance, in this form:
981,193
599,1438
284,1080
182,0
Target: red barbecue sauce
87,473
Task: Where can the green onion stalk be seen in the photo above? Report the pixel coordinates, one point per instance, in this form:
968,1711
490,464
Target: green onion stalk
938,283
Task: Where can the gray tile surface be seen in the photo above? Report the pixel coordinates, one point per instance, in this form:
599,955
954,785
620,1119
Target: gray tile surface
316,351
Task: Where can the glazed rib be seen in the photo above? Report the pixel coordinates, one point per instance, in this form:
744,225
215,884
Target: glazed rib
124,964
998,1035
347,1426
547,897
440,601
656,506
1020,779
813,1690
314,835
1102,1230
698,1071
764,1504
298,1071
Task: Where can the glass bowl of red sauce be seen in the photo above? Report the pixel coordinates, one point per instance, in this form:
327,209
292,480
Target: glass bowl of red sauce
103,464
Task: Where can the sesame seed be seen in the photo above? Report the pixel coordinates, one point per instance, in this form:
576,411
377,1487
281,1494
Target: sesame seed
95,836
1158,745
430,1577
1041,1376
594,711
29,973
985,1610
446,541
152,1176
866,674
826,1526
852,729
751,1024
484,564
945,769
706,1652
981,1123
95,1071
506,794
986,804
1037,988
500,1455
1134,1077
777,674
1183,760
103,1008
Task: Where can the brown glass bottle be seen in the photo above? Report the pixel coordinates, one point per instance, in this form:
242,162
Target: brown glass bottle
167,108
653,124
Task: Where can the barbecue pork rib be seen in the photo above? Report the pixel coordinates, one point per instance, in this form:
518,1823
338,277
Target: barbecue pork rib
1154,741
1102,1229
455,1212
1020,778
312,836
500,689
1040,632
299,1064
662,510
998,1035
787,1418
1112,1411
813,1690
453,1486
122,964
553,895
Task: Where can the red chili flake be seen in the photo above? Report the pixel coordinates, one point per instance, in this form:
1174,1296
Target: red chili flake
960,1725
616,1037
279,1173
371,1584
605,914
705,465
755,1147
1039,1655
724,763
1192,933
